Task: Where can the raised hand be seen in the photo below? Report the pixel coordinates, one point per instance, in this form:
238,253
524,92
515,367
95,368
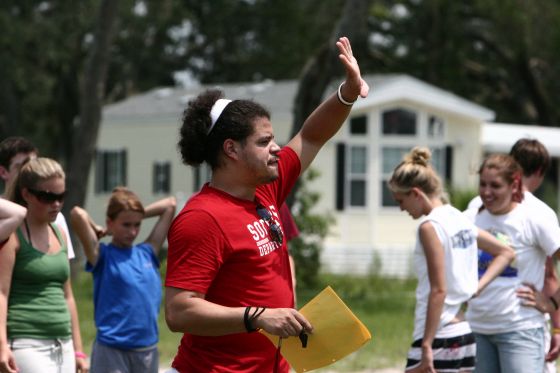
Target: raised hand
354,85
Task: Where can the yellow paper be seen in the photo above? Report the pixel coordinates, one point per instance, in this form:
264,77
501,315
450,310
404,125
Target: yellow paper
337,332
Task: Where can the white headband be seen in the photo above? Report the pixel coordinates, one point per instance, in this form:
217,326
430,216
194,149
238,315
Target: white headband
217,110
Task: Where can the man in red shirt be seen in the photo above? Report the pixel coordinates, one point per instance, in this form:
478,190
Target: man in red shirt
228,273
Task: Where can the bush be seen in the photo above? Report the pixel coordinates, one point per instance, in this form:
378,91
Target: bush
306,249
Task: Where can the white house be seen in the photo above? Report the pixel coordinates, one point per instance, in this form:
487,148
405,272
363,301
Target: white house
137,147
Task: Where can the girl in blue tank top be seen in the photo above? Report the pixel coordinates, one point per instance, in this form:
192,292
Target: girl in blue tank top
126,281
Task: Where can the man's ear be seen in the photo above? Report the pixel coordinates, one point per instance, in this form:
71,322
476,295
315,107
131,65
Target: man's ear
231,148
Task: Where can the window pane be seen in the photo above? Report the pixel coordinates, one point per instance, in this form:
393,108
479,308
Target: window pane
358,125
391,157
438,161
387,199
399,122
110,170
162,177
435,127
357,193
358,159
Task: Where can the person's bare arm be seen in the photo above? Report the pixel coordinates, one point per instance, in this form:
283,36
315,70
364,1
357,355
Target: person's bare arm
503,256
165,209
435,260
7,261
11,217
188,311
327,119
88,232
82,365
550,286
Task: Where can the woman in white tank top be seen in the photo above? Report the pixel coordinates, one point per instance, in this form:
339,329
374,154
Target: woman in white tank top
445,260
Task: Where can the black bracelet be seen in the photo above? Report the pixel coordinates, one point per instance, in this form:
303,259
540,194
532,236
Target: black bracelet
248,321
554,302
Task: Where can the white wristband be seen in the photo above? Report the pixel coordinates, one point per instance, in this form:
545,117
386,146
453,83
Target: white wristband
341,99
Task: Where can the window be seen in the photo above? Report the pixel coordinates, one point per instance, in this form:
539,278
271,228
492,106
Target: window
392,156
110,170
351,175
435,127
202,175
357,176
400,122
161,178
358,125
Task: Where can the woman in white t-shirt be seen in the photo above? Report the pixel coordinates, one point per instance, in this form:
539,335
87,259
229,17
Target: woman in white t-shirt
509,336
446,263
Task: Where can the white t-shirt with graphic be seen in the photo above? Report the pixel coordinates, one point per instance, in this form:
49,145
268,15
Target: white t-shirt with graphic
458,237
529,200
533,237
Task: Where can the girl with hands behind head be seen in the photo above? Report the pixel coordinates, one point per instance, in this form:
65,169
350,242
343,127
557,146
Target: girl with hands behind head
127,286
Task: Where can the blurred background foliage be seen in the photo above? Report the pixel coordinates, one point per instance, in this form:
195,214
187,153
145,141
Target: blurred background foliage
501,54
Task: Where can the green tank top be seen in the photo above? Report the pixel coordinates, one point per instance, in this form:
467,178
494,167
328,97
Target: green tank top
36,305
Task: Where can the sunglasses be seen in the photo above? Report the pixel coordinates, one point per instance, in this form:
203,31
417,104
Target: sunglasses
274,229
47,197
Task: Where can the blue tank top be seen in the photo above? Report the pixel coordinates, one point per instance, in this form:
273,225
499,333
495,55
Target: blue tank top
126,296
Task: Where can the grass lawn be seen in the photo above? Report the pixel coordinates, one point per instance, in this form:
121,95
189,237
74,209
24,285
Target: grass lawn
385,306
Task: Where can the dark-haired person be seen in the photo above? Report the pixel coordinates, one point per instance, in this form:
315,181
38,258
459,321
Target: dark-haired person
14,151
534,159
228,272
39,328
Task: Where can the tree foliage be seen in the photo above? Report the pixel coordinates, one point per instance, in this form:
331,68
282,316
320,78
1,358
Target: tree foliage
500,54
306,248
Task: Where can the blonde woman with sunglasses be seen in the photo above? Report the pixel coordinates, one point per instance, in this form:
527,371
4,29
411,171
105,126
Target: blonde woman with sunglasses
39,329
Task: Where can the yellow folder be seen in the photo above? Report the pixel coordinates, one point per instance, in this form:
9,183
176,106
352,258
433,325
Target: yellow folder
337,332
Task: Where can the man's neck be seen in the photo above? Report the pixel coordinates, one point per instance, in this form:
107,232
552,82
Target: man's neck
232,186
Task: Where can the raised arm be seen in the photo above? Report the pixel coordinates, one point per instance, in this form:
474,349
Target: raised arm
11,216
88,232
165,209
503,255
327,119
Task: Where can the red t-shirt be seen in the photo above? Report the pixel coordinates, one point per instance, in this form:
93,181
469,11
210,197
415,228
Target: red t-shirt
219,246
291,230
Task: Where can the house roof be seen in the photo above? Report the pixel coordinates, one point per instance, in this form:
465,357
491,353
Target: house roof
499,137
278,97
404,87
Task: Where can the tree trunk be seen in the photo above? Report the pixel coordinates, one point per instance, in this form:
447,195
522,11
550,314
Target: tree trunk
84,135
322,68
